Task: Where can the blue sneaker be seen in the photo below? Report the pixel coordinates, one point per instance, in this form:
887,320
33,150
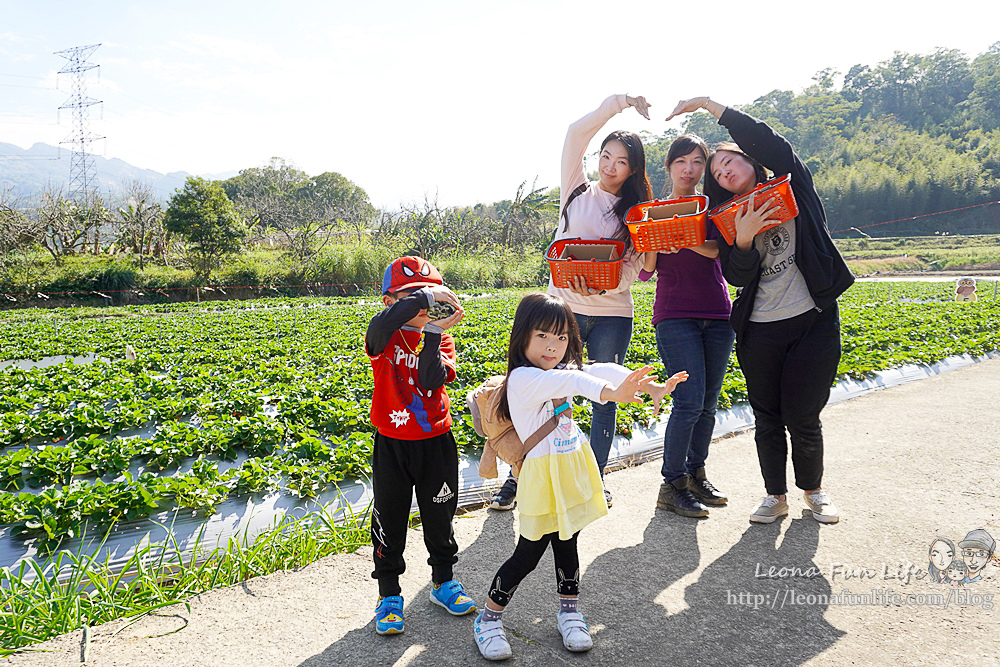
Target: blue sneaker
389,615
452,597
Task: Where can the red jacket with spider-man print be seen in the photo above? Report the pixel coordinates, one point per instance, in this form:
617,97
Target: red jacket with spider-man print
411,368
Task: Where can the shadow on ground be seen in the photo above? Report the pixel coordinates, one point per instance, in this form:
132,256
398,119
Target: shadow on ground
720,625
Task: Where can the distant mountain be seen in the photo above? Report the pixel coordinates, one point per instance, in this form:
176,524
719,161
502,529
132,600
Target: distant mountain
29,172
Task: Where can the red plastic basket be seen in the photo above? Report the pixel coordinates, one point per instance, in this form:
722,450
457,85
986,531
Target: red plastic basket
668,223
780,188
598,261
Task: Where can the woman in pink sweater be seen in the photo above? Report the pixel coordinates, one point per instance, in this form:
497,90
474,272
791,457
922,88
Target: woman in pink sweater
594,210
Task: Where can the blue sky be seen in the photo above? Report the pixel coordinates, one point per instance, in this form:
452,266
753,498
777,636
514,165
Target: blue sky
459,100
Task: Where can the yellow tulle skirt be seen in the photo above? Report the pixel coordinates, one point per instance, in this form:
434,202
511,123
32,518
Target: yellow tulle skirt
559,493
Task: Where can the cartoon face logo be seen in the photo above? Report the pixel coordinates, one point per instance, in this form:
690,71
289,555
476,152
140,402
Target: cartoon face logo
565,426
968,558
409,272
956,572
941,554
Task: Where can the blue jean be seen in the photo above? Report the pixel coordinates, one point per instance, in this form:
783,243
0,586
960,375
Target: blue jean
701,347
606,339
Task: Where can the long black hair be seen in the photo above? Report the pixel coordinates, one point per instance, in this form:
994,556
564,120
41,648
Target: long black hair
931,568
716,193
636,188
545,312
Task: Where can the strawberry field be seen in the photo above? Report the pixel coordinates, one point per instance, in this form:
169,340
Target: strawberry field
257,397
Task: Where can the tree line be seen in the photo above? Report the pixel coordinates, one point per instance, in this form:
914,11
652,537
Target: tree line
205,222
913,135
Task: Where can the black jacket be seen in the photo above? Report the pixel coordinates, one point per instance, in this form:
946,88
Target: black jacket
824,269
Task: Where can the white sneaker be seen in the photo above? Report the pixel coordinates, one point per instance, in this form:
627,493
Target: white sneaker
491,639
575,633
768,509
822,507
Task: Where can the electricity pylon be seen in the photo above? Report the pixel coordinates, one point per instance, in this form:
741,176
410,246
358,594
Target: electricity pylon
82,179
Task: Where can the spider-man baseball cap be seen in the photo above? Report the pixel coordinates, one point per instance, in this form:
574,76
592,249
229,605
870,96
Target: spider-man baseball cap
408,273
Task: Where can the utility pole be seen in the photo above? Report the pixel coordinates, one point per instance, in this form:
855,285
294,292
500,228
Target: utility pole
82,178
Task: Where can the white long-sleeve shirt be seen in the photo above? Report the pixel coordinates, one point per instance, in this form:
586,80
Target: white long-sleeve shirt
591,215
530,392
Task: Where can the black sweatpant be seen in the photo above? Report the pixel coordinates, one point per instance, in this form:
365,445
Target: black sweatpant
789,367
430,465
525,559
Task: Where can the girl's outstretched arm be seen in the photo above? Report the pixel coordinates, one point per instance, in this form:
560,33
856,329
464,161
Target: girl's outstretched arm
659,391
642,381
531,386
628,390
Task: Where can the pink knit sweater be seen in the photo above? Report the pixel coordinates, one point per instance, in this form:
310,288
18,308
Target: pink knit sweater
591,215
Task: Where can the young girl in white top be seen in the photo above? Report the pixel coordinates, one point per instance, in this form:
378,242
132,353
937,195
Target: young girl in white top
560,489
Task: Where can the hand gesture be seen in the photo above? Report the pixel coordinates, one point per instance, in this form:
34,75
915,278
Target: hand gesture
640,104
442,293
659,391
628,391
687,106
451,320
578,285
749,221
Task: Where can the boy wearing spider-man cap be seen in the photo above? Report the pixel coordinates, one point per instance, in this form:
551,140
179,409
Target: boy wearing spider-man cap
412,358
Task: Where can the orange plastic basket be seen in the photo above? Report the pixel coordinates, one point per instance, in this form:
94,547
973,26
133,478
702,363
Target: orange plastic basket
668,223
598,261
780,188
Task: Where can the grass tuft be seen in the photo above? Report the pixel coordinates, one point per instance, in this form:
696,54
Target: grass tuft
75,590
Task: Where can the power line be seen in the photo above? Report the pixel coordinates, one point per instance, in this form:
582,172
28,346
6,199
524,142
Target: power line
14,85
136,99
25,76
914,217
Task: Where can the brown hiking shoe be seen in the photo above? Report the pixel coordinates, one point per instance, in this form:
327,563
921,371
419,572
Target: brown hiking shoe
704,490
676,497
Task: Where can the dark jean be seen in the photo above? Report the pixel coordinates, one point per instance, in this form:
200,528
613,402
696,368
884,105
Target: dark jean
701,347
789,367
606,339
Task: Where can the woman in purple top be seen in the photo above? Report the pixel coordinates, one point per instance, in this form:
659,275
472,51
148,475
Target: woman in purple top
691,318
